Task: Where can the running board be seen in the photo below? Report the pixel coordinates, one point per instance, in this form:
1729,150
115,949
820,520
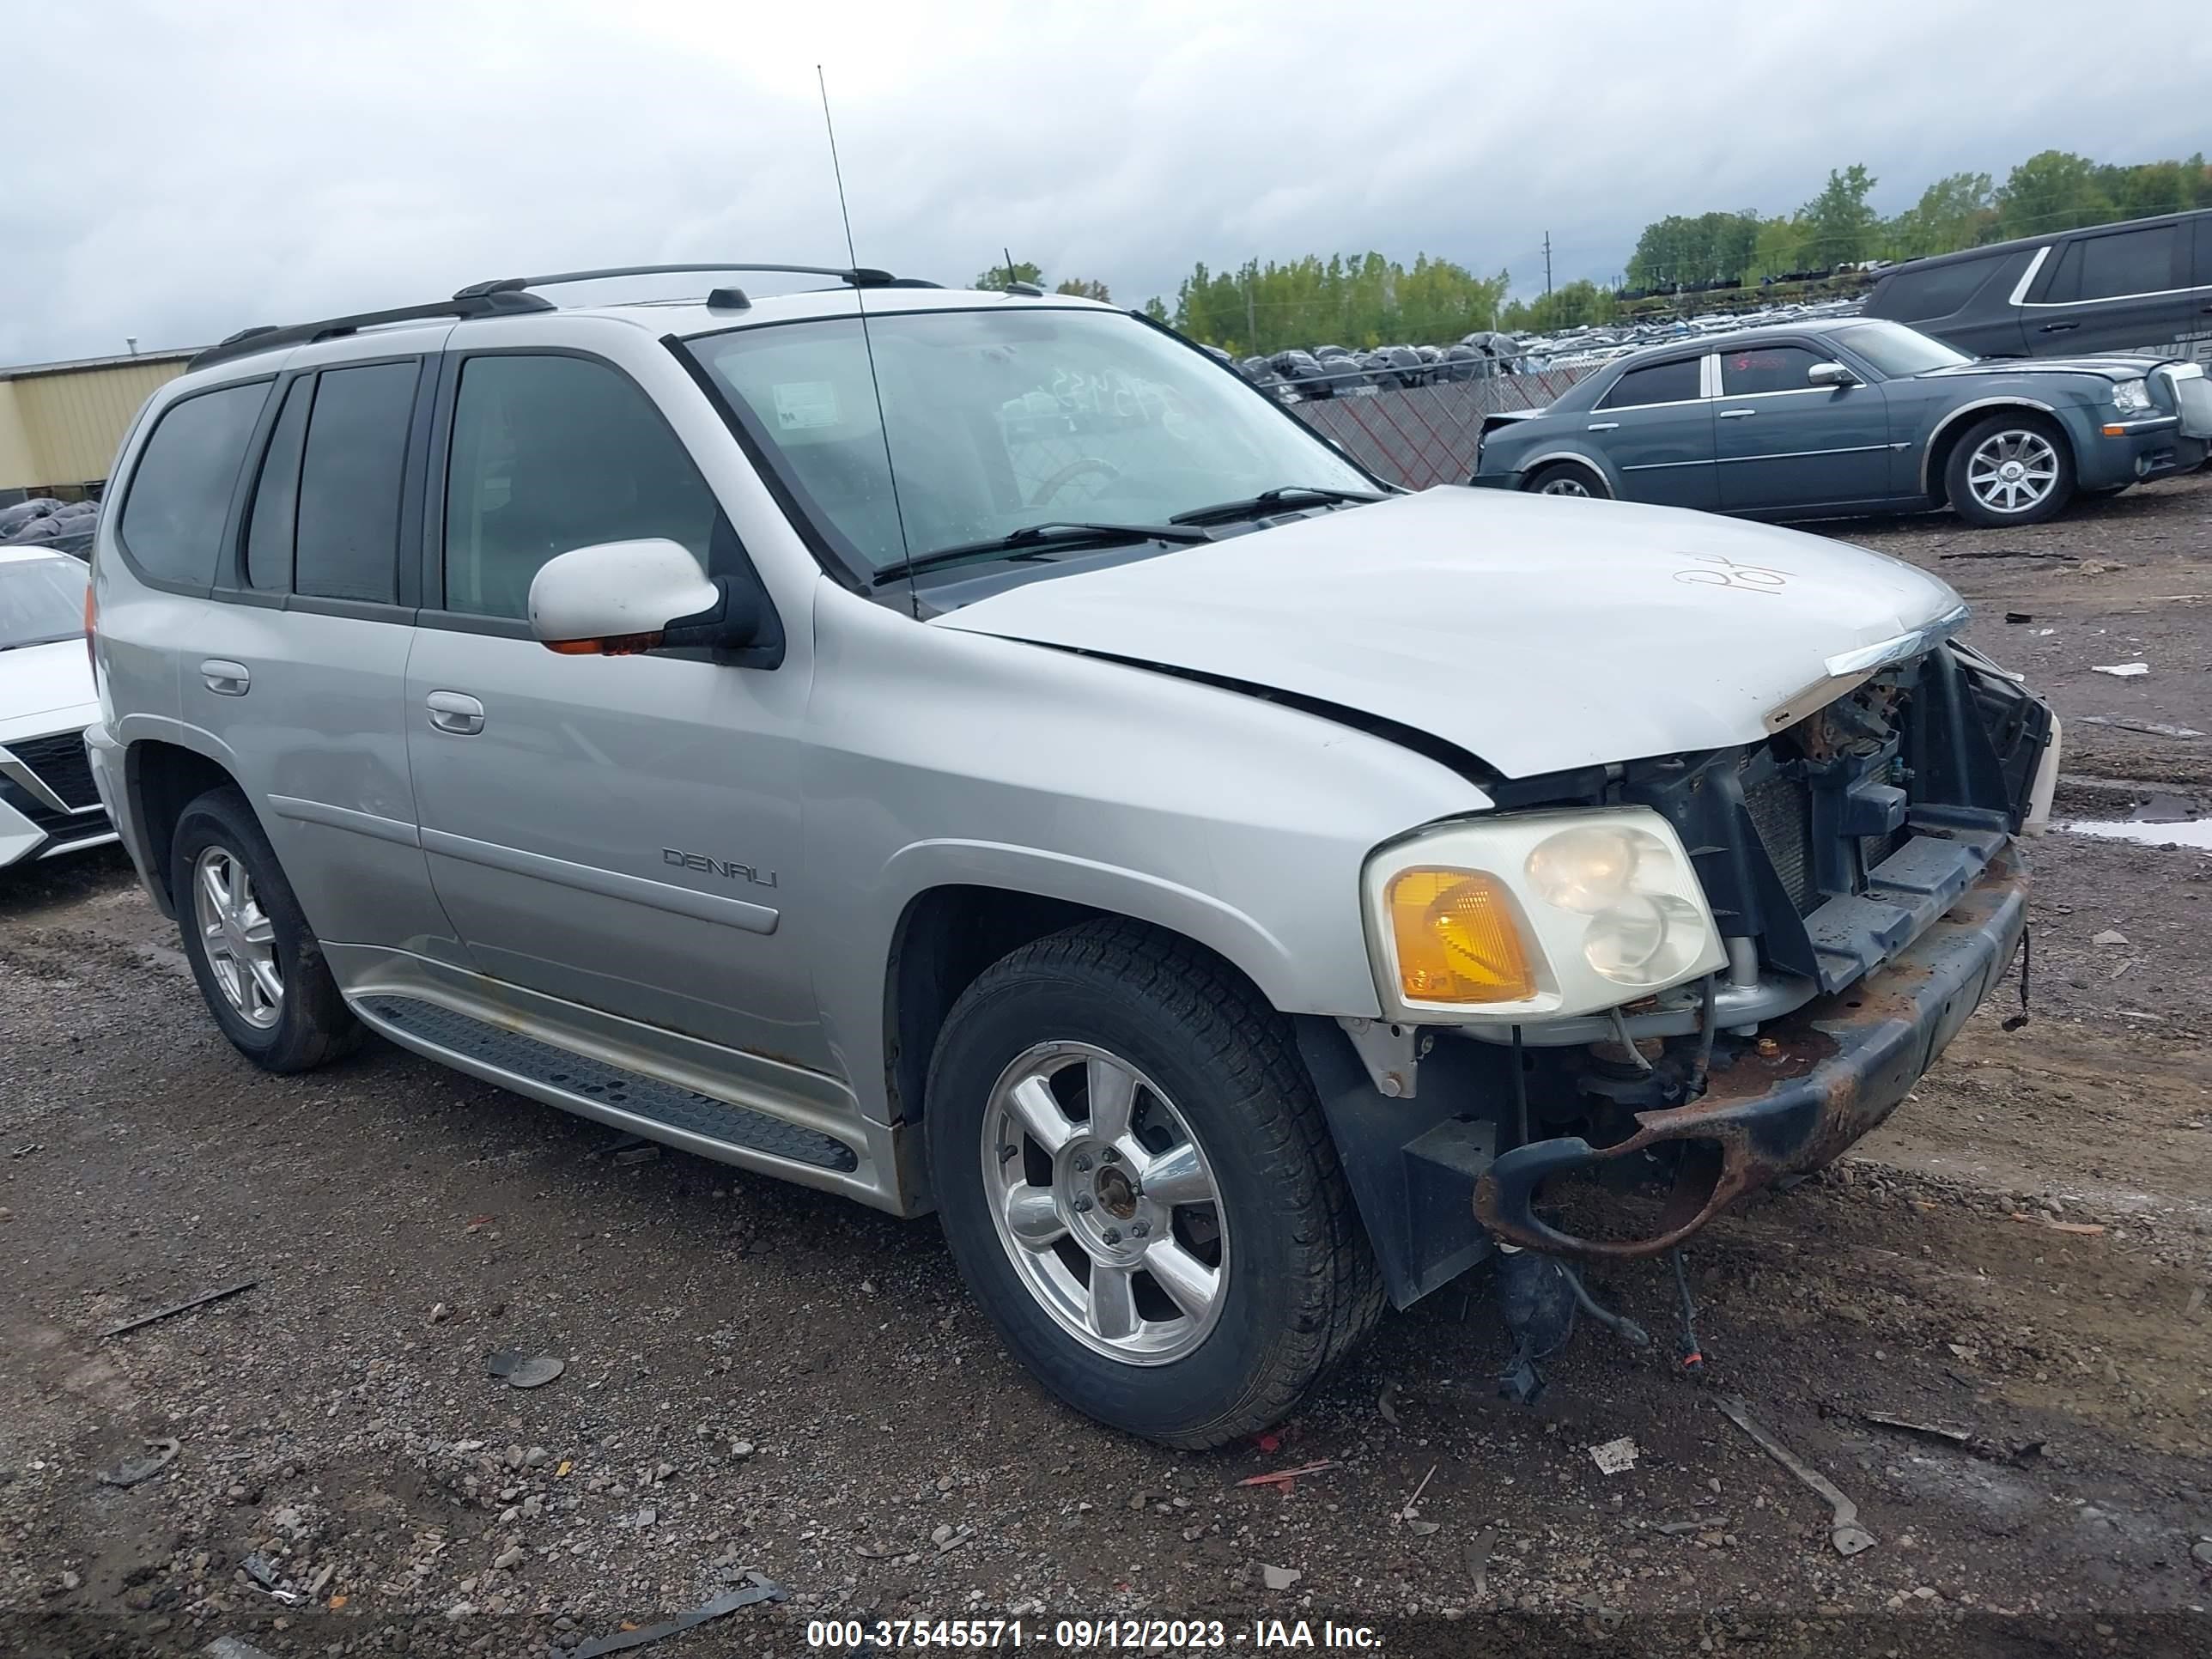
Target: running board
598,1089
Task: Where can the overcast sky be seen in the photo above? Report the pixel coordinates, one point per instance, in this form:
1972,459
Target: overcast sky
175,171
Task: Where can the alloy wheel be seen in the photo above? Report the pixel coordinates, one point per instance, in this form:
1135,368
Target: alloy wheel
1105,1203
2013,471
1566,484
240,939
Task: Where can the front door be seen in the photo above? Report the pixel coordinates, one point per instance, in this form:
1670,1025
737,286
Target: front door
619,832
1655,425
1786,443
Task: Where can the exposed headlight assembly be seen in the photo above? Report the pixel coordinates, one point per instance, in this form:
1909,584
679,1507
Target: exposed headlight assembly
2132,397
1536,915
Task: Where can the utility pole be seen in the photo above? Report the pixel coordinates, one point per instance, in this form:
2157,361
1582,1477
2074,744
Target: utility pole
1547,263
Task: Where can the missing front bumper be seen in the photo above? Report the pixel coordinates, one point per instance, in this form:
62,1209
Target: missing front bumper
1836,1068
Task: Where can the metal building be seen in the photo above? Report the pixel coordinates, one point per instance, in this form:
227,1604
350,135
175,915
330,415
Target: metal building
61,423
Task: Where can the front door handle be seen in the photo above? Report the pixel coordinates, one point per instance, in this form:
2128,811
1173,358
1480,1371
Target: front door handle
1736,414
451,712
2058,328
226,678
1603,426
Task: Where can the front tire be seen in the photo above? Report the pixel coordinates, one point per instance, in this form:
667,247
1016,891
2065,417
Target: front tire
1566,478
1138,1185
2012,468
257,963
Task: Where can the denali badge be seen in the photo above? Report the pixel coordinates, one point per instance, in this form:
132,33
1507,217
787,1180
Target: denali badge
728,869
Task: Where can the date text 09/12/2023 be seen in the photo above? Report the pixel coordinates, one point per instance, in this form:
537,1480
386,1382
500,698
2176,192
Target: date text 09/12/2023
1089,1635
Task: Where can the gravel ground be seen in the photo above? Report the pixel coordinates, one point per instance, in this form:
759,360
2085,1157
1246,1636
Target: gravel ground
759,1377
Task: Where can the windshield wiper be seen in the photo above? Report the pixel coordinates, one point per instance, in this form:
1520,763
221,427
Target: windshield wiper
1284,495
1033,538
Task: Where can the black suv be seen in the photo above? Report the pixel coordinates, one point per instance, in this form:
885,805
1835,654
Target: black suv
2144,286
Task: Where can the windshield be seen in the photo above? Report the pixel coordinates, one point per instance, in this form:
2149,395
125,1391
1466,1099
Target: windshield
41,600
999,419
1896,349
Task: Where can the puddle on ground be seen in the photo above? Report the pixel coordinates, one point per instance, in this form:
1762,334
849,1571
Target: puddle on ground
2189,832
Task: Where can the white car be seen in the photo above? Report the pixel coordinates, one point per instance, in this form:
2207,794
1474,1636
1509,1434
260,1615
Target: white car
47,801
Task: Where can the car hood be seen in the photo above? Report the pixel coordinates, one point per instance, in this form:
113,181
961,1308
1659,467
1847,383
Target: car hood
37,680
2105,368
1539,633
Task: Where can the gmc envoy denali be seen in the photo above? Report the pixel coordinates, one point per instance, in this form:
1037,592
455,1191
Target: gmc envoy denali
971,752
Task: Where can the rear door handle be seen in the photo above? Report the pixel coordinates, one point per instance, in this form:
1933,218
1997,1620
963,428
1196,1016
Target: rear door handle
451,712
226,678
1603,426
2060,328
1736,414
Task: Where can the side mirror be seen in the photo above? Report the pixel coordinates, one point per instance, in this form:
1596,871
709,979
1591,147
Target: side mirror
615,598
1829,374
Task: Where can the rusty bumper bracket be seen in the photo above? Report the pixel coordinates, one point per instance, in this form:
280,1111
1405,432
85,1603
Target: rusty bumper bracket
1838,1067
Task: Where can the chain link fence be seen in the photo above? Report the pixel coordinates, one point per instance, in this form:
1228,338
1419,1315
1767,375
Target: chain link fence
1423,435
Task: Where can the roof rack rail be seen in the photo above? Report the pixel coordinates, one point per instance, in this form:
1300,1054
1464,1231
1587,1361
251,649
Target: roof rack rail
851,276
247,341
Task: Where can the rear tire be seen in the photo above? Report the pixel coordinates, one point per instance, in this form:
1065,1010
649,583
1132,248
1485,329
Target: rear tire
257,963
1566,479
1221,1206
2014,468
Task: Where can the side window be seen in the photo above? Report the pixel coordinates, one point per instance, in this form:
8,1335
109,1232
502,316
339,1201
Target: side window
1938,291
179,492
2112,267
275,511
553,453
1765,368
1662,383
2200,277
346,545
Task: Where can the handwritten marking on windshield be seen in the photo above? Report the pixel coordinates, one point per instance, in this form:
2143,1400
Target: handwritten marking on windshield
1727,572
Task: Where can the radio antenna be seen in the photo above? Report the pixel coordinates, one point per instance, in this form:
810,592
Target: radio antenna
867,344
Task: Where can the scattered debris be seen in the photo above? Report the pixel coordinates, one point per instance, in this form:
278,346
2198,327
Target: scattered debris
1478,1561
1615,1455
2014,617
2163,809
1677,1529
761,1589
2195,1302
232,1647
2125,670
1280,1578
175,1308
1407,1512
263,1571
2017,1451
648,1153
2011,553
2109,936
132,1471
1283,1477
1384,1404
1844,1529
520,1370
2083,1229
2149,728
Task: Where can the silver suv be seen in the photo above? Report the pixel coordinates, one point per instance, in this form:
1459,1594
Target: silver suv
972,752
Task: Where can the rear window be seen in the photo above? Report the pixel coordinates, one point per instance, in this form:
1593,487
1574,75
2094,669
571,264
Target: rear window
1662,383
41,601
346,545
1937,291
179,493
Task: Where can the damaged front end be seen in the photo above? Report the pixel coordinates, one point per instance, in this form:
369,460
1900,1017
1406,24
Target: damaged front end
1864,870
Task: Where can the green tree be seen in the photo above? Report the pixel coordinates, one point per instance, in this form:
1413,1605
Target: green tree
1839,225
2052,190
1084,288
1956,212
2153,187
1156,309
999,278
1778,247
1568,305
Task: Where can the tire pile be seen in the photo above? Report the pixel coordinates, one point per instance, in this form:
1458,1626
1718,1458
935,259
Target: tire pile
42,522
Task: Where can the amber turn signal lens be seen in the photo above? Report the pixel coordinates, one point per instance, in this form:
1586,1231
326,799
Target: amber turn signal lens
1458,938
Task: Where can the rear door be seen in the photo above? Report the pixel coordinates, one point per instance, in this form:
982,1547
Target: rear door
1784,442
296,668
2128,288
1656,424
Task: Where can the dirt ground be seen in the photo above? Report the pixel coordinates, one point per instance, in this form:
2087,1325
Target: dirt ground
760,1377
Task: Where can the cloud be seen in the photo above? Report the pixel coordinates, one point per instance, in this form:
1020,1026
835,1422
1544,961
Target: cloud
182,170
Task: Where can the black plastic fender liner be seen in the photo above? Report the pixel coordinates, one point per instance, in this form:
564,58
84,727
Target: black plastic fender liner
1412,1163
